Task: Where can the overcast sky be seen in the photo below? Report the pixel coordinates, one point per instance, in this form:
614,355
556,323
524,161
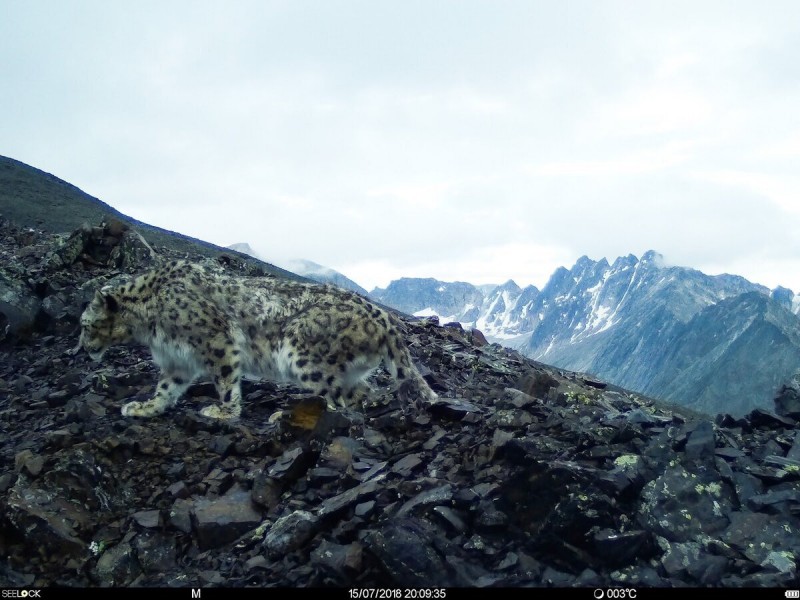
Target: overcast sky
462,140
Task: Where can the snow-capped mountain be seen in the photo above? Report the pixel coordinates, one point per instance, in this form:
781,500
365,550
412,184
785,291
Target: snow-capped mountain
501,312
635,322
456,301
507,312
715,343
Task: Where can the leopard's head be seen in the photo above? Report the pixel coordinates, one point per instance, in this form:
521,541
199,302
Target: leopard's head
102,324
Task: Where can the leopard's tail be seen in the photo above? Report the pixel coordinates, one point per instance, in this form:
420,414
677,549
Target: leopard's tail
397,359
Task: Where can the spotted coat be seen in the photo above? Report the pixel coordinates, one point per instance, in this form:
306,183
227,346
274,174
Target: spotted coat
198,322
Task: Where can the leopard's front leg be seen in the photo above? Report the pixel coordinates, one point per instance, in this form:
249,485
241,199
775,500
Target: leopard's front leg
168,390
227,380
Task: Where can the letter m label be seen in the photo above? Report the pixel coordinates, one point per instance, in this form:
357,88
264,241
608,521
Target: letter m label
195,593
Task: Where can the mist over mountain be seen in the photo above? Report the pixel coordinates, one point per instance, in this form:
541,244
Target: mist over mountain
714,343
322,274
307,268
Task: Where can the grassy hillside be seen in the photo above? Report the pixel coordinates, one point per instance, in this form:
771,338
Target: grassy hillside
33,198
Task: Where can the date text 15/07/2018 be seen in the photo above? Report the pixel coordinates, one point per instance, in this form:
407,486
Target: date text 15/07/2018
397,594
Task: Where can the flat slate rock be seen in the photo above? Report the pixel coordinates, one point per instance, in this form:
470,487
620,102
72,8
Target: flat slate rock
219,521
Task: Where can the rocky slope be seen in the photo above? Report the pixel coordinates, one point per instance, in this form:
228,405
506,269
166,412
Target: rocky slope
520,475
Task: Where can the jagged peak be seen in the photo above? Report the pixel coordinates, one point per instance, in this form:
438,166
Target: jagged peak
558,275
509,285
625,261
530,289
781,290
653,257
783,296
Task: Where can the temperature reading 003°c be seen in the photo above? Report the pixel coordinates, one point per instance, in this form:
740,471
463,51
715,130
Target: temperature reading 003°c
615,594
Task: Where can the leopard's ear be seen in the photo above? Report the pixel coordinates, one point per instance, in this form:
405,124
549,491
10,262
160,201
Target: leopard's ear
106,299
111,303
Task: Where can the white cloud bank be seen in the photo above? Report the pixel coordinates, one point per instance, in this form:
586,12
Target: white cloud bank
478,141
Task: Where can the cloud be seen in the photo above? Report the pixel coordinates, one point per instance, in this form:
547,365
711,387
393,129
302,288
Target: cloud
648,160
460,140
526,263
779,189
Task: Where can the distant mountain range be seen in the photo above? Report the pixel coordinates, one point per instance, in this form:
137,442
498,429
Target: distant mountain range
713,343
